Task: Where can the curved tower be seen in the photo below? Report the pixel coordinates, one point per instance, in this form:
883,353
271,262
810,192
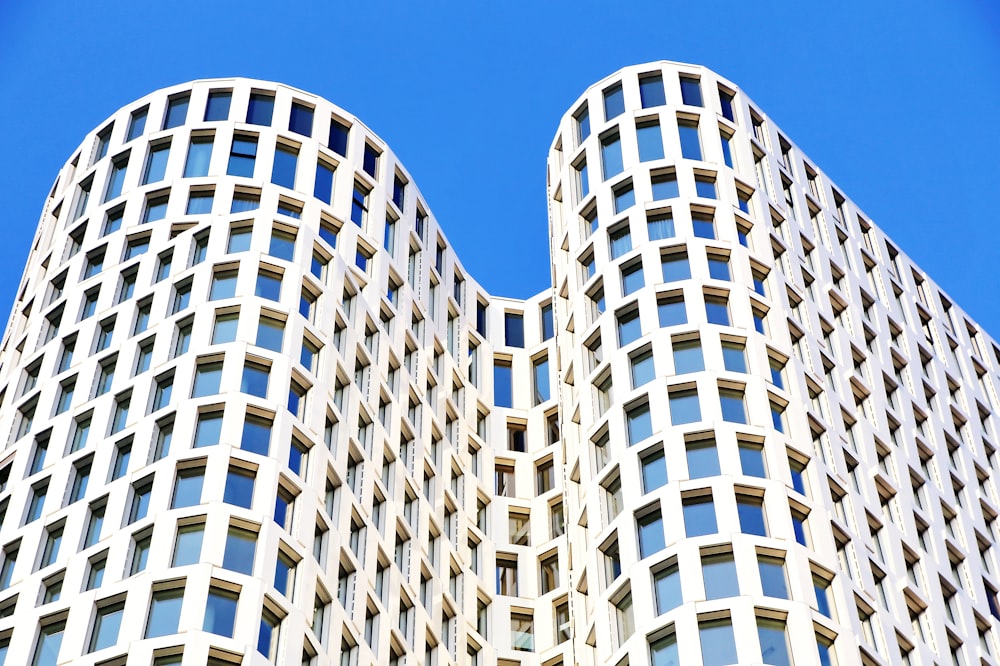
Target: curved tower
259,413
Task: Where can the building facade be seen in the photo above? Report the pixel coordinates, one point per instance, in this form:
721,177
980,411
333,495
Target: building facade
259,413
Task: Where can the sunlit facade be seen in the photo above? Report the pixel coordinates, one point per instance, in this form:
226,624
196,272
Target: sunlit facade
259,413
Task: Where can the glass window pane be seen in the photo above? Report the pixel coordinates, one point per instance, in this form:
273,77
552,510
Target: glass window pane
614,102
220,612
688,357
651,91
699,517
654,472
684,407
667,585
164,613
719,574
718,646
650,141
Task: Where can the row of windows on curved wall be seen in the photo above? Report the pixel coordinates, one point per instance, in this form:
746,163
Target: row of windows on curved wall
661,224
260,111
647,91
242,162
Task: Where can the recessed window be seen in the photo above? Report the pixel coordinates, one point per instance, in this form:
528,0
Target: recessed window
260,109
629,327
164,612
209,429
226,324
667,587
690,91
719,573
718,645
207,379
513,329
751,514
245,201
705,187
611,155
651,91
717,310
223,285
300,120
702,459
239,488
752,459
690,139
734,357
255,379
107,622
582,118
688,357
217,107
671,311
699,515
359,204
187,547
323,184
614,102
242,156
199,156
620,241
187,489
119,166
718,268
650,532
660,226
654,471
773,581
256,435
240,548
370,162
675,267
283,168
268,285
650,140
638,422
220,612
642,368
773,641
624,197
733,405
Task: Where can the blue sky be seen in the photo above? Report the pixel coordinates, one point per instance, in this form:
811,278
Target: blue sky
895,101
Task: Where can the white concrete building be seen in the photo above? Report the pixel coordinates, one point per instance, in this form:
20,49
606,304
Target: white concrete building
259,413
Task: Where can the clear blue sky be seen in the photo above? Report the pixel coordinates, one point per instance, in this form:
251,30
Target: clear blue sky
896,101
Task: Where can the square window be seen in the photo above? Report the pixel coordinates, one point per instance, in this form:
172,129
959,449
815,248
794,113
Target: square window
611,155
164,612
718,268
751,514
223,285
255,378
199,157
642,368
702,459
705,187
226,324
684,407
688,357
671,311
752,460
270,333
260,109
239,488
301,119
660,227
719,574
773,581
240,549
207,379
734,408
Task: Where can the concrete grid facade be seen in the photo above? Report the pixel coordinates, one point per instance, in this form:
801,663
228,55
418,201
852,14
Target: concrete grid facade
259,413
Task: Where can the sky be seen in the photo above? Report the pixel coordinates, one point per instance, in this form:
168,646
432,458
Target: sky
895,101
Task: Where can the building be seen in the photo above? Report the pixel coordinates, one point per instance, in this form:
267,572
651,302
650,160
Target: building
259,413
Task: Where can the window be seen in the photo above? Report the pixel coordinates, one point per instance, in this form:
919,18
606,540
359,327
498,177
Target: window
370,162
702,459
611,155
718,268
690,139
502,387
209,429
522,631
220,612
624,197
225,327
614,102
164,612
667,588
284,573
301,119
256,435
513,329
751,515
270,333
187,489
268,285
119,166
718,646
703,225
650,141
654,470
638,422
629,327
50,552
821,586
582,180
772,577
123,453
705,186
245,202
582,118
699,515
199,156
242,156
142,491
177,109
283,169
207,379
650,533
675,267
688,356
660,226
239,488
217,107
651,91
773,642
255,378
734,409
548,325
137,123
719,574
734,357
223,285
359,205
642,368
323,185
187,548
684,407
717,310
260,109
540,380
691,92
241,545
106,625
671,311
